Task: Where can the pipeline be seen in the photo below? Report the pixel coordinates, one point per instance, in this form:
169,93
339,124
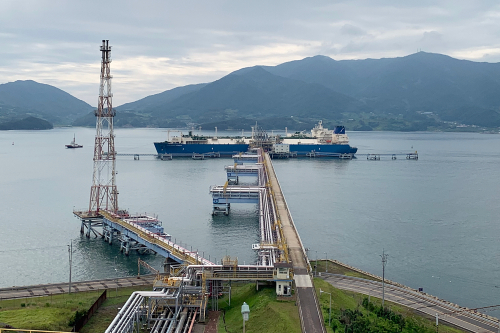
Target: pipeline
180,325
169,323
159,322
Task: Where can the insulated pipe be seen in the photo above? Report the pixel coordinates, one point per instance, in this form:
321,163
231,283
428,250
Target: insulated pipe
120,314
180,325
128,315
159,323
190,327
168,323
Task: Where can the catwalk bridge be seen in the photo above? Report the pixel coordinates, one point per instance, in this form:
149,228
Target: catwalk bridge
282,257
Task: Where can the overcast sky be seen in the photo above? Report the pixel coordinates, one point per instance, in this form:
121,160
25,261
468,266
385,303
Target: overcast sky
159,45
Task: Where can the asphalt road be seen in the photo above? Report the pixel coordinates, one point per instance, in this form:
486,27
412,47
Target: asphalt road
418,301
61,288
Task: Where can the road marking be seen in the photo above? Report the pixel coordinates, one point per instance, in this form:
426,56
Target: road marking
303,281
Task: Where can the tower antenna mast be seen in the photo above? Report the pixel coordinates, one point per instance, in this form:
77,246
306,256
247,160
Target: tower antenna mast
103,193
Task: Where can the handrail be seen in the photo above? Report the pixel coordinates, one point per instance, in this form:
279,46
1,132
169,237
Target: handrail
155,239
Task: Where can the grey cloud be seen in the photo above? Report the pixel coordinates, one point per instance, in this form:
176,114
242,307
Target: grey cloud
353,47
351,30
209,39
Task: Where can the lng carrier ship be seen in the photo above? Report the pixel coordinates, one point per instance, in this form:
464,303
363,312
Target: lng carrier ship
319,142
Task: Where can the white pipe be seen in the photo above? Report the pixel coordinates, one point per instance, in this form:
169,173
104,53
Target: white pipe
181,321
168,323
118,316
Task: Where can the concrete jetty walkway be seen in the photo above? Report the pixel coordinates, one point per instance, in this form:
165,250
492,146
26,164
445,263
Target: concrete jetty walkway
309,310
62,288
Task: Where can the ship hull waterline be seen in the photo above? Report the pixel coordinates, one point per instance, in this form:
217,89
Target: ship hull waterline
228,150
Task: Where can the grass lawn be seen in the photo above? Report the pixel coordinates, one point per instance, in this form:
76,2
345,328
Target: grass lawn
338,269
267,314
342,300
54,312
109,309
46,313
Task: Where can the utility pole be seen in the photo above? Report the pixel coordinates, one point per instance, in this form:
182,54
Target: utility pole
330,312
316,266
326,262
384,262
70,252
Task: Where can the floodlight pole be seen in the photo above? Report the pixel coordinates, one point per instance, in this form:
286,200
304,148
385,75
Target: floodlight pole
330,312
316,266
384,262
70,253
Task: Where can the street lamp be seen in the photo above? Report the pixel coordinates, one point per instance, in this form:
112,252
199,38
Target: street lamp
315,266
329,313
384,262
245,311
70,252
326,262
116,276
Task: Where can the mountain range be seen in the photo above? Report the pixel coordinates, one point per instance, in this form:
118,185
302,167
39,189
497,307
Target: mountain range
421,91
22,99
416,92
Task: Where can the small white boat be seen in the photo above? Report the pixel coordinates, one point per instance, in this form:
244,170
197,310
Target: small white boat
73,144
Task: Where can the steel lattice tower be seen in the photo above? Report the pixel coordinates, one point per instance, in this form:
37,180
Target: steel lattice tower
103,193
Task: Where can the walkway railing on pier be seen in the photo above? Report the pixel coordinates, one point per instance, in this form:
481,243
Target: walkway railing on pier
152,238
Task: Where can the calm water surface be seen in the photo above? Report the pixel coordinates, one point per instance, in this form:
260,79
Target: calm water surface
437,217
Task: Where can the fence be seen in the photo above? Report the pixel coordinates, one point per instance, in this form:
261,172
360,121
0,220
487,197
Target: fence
97,304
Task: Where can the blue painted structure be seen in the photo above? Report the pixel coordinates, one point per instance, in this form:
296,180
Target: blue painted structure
187,149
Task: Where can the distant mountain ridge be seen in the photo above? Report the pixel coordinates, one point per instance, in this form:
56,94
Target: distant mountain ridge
421,91
401,89
29,98
29,123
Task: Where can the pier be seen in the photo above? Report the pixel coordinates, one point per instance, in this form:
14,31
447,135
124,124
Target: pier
280,241
188,290
192,282
139,232
376,157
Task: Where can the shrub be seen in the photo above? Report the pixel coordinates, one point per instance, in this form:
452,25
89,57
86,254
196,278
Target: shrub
79,314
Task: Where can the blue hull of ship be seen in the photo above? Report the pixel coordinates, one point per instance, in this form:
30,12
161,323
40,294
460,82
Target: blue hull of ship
322,150
188,150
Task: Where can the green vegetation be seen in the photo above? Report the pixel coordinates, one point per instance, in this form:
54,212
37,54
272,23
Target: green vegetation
46,313
353,312
56,312
338,269
267,313
109,309
29,123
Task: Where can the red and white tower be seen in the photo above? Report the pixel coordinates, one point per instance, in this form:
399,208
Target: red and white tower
103,193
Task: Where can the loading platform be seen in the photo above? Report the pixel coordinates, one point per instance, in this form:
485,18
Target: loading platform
242,158
314,154
376,157
234,172
136,232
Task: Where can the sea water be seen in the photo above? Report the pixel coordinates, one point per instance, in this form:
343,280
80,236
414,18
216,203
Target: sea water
436,217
